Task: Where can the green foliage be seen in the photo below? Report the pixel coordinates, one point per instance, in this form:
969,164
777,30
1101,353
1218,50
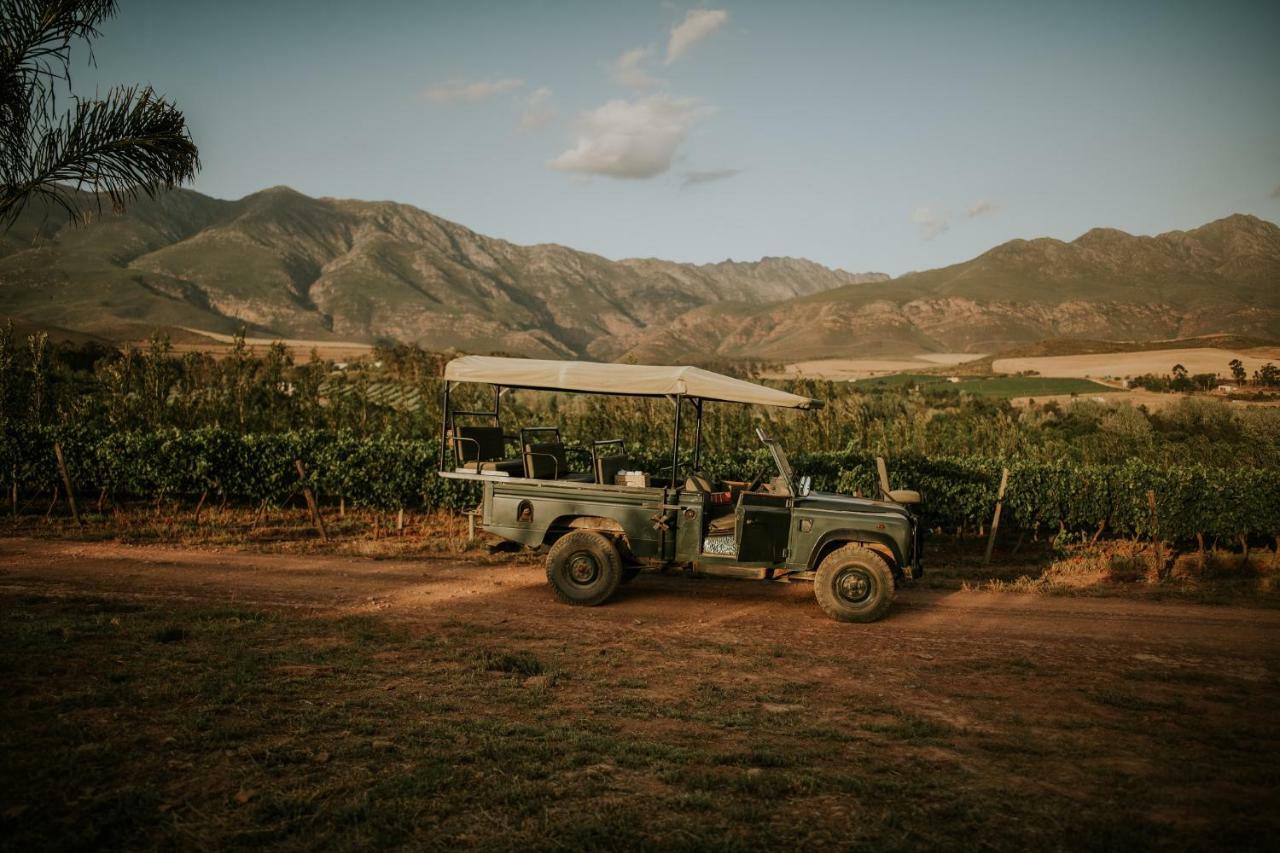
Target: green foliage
144,423
387,472
124,144
989,386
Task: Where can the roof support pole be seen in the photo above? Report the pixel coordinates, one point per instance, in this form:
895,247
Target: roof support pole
697,435
444,424
675,442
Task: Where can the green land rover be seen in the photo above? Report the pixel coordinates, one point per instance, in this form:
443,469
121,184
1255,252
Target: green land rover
601,522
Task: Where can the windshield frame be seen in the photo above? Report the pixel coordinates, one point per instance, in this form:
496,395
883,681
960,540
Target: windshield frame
780,460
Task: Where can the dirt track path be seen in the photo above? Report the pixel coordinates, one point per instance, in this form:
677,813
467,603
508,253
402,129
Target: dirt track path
433,590
1096,723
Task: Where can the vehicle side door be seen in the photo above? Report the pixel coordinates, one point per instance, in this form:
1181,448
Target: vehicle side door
763,527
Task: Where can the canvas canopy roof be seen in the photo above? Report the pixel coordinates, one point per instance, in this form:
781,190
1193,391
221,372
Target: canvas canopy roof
644,380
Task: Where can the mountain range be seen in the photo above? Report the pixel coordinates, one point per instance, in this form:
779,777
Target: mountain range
284,264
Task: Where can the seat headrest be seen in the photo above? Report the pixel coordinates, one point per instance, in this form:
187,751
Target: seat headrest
698,483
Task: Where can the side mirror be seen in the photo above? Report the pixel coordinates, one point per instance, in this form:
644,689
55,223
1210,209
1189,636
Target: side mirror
806,484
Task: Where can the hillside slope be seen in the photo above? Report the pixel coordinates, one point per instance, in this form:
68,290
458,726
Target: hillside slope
290,265
1221,278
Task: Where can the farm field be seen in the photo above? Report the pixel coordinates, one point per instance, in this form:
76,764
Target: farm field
1152,401
861,368
217,345
219,698
990,386
1128,364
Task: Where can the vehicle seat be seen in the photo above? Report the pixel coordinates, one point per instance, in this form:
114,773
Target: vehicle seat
482,448
607,459
697,483
546,461
725,525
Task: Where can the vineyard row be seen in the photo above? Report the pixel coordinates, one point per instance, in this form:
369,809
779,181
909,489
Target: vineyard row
388,473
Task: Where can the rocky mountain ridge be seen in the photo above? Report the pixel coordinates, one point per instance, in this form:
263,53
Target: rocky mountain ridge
288,265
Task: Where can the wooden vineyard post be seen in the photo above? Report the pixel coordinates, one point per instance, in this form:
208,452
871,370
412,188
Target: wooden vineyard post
995,519
311,502
1155,532
66,482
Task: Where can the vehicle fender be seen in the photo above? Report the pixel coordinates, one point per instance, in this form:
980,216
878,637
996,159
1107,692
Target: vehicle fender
564,523
877,541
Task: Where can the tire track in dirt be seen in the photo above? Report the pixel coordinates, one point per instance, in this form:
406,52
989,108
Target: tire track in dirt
434,589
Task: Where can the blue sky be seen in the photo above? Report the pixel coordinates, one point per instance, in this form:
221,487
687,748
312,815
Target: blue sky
868,136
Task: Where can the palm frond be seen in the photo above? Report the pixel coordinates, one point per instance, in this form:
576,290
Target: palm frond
131,142
36,35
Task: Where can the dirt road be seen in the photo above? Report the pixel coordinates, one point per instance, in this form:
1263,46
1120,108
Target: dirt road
235,696
433,590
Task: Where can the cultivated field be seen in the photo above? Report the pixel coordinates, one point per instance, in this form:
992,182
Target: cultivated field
861,368
1152,401
1129,364
300,350
990,386
214,698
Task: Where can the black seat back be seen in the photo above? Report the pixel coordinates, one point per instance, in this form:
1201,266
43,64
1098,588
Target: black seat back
607,459
478,444
545,460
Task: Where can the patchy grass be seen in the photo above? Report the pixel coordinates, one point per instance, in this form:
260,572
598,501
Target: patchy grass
989,386
141,726
282,530
1111,567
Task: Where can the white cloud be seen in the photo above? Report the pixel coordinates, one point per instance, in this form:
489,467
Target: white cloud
696,26
629,69
982,207
706,176
1275,193
930,221
461,91
538,110
630,139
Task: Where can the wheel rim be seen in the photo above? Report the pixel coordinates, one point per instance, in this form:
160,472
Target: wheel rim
854,586
582,568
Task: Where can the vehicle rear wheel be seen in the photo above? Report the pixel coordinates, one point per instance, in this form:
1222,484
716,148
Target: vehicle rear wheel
584,568
854,584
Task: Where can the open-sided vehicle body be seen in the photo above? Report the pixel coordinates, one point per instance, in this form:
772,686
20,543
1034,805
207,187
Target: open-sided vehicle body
603,525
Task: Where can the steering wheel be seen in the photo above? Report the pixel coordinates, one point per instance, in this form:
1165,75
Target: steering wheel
756,483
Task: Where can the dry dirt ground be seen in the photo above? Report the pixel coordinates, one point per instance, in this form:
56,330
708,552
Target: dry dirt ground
1154,401
862,368
159,697
217,344
1129,364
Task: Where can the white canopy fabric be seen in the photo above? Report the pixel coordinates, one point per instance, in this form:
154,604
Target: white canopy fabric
645,380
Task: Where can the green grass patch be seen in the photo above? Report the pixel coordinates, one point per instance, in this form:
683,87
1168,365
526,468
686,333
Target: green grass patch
988,386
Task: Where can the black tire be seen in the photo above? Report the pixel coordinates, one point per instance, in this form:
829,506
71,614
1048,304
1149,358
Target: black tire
854,584
584,568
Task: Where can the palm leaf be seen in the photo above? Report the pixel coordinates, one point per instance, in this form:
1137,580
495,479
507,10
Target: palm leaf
129,143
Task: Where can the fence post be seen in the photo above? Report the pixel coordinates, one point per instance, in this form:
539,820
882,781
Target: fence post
1155,532
995,519
66,482
311,501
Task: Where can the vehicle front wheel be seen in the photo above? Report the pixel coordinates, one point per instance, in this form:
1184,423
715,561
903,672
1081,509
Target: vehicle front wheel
584,568
854,584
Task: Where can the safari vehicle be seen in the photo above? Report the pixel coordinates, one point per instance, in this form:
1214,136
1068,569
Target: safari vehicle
602,523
